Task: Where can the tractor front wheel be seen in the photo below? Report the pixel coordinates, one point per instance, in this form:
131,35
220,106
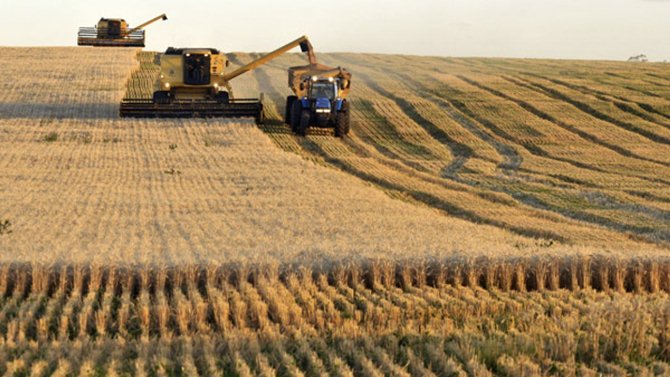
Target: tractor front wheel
289,107
305,117
260,117
296,109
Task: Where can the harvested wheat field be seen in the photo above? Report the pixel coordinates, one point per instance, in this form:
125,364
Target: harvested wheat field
485,217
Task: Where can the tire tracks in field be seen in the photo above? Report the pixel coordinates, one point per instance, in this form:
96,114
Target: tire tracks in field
455,108
511,159
577,74
525,199
267,84
265,81
391,132
535,150
461,152
618,101
536,203
603,96
427,198
404,147
313,146
572,129
531,148
646,81
622,103
656,75
589,110
579,215
532,200
651,234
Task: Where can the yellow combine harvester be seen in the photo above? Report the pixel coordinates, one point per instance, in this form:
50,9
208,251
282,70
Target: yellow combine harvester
114,32
193,83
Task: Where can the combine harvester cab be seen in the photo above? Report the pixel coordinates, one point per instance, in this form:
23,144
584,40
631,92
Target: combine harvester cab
114,32
193,83
319,100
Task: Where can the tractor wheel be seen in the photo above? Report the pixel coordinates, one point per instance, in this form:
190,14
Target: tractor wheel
289,106
222,97
305,117
342,122
347,116
161,97
296,109
260,117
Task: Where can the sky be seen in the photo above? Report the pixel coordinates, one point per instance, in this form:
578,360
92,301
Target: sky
564,29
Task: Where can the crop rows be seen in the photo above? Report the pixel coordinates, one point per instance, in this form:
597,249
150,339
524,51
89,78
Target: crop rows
82,187
543,152
372,318
485,217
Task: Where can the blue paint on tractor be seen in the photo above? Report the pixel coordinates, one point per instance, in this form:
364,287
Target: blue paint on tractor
322,103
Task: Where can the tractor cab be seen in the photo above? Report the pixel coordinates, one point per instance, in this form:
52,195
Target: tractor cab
322,99
322,95
323,89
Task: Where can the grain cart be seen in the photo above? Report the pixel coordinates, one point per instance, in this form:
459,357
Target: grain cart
193,83
114,32
319,100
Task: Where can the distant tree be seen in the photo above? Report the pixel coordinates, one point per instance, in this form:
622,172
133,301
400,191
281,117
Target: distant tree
642,58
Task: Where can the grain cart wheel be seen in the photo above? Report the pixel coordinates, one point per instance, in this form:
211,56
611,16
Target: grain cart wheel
296,109
260,117
289,106
305,117
162,97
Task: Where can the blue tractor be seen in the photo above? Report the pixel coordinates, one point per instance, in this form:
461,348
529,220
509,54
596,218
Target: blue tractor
320,99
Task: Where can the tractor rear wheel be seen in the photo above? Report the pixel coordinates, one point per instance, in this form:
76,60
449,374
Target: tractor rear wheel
289,107
296,109
260,117
342,122
305,117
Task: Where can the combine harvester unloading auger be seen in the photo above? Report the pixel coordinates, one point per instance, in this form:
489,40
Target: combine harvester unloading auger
193,83
114,32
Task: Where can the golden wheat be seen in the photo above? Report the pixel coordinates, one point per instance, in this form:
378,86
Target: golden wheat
488,217
394,324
